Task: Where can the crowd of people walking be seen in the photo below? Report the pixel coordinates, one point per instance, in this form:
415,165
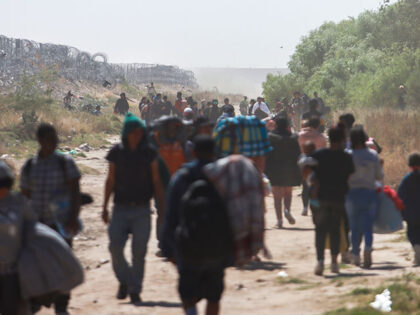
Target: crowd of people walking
207,172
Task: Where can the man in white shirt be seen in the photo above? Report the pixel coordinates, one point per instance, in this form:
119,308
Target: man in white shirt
261,105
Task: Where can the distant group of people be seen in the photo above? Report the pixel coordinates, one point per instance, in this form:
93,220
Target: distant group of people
208,172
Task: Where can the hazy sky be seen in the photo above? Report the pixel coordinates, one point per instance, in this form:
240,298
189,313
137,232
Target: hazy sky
188,33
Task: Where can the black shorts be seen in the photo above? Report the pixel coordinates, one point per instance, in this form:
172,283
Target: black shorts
195,285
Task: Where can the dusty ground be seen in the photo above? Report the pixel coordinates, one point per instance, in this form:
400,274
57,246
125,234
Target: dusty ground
255,289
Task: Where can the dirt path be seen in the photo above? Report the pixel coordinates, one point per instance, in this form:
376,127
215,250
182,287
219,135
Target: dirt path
255,289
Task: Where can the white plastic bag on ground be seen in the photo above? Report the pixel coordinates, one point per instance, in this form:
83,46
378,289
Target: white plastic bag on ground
282,274
382,302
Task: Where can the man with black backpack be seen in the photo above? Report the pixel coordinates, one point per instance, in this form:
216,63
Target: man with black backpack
197,235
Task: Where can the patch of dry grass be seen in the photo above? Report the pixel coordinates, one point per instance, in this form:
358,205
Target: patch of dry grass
397,132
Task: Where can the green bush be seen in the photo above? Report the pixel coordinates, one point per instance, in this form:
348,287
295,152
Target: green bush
359,62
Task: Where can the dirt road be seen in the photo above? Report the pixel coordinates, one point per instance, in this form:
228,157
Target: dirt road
255,289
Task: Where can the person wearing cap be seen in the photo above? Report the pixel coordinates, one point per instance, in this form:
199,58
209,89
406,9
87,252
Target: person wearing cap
121,106
133,178
14,216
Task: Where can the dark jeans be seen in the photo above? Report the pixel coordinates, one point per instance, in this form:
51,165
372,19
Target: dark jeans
327,220
305,194
413,233
9,294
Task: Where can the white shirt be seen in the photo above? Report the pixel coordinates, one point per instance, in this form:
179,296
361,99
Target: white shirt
263,106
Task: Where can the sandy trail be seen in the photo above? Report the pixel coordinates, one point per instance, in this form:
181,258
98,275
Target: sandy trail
254,289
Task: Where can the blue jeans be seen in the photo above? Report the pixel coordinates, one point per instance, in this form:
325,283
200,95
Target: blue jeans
135,221
361,207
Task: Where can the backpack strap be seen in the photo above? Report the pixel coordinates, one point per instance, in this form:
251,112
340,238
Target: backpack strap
27,167
62,162
26,170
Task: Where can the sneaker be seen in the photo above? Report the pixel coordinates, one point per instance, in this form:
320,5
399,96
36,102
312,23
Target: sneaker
279,224
319,269
135,298
335,268
289,217
305,212
346,258
122,292
356,260
367,259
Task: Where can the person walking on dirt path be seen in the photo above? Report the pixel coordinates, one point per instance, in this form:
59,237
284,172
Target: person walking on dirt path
243,106
142,103
227,107
321,104
298,106
260,109
15,217
215,111
133,178
282,169
179,105
156,110
169,139
332,172
166,107
251,107
362,198
45,177
310,133
206,279
313,111
68,99
347,120
207,110
409,192
151,91
121,106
